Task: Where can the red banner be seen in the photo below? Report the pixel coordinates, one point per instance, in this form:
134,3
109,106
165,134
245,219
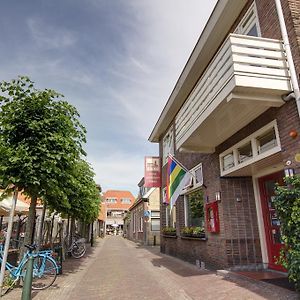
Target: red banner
152,171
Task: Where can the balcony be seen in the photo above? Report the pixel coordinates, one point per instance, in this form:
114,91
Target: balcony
247,76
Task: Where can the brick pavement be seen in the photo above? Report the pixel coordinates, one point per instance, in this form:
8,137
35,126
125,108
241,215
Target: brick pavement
119,269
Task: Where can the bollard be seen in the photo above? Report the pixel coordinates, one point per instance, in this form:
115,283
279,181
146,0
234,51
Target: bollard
26,291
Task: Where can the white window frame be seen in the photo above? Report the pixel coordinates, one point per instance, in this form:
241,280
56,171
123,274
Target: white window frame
134,222
168,145
250,21
155,215
256,156
192,183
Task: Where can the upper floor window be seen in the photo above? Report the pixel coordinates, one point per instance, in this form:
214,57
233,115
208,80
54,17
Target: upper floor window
249,24
111,200
168,145
125,201
262,143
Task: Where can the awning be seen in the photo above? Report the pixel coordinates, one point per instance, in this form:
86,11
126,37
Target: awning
6,204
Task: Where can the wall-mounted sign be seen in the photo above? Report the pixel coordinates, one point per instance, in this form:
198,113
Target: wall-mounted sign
152,171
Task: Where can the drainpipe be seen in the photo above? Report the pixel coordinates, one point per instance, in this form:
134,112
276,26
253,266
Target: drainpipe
288,54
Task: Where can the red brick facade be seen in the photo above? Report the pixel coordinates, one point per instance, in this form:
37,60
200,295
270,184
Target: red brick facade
238,243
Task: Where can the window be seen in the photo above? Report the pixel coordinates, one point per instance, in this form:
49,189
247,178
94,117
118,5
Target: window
249,24
168,145
141,224
228,161
245,152
111,200
155,221
170,216
126,201
267,140
194,209
134,222
259,145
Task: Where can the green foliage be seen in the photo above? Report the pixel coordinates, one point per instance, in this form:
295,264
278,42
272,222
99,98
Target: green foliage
169,230
196,204
40,138
192,231
287,204
41,149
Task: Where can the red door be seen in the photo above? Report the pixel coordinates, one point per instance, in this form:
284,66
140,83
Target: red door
271,222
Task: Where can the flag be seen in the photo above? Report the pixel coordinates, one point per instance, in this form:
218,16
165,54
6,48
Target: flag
177,177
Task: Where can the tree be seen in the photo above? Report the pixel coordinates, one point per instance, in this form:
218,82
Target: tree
81,191
41,138
287,204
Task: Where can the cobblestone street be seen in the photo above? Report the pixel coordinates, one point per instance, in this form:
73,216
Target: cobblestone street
119,269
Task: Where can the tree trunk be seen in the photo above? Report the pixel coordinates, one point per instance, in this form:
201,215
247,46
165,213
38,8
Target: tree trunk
41,227
29,234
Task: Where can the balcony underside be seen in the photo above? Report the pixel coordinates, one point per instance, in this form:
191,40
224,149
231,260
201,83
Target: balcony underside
246,77
254,168
230,112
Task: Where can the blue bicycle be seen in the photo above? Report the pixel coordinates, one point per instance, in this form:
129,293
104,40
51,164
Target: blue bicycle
45,268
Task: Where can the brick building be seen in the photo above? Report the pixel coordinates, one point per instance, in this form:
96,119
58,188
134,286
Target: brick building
116,205
233,121
143,220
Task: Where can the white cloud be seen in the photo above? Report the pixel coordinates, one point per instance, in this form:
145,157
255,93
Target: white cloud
50,36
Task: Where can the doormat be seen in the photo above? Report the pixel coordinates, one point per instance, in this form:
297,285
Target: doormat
282,282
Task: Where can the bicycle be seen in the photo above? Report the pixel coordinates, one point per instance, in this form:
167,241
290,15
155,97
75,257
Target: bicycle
77,246
45,268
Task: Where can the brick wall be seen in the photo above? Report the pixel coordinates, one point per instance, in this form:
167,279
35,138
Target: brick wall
238,242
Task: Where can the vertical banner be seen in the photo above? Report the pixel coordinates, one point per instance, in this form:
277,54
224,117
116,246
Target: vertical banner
152,171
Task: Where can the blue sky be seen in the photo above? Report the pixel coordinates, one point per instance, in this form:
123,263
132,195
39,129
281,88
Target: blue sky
117,61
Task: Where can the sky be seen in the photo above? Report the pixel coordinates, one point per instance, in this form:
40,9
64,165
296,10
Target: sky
116,61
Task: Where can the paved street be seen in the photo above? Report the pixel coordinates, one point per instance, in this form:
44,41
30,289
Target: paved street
119,269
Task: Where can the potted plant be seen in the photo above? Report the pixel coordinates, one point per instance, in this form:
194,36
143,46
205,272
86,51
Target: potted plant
169,231
199,232
190,231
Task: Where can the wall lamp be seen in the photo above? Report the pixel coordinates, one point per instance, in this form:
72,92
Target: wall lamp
218,196
289,172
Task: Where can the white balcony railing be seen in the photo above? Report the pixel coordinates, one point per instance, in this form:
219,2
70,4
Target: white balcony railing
244,64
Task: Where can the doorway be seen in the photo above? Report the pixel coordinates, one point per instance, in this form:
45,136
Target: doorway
271,222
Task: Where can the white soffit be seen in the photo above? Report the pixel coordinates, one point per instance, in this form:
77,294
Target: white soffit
214,33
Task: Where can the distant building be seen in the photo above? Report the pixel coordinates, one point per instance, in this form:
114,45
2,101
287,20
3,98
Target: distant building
143,220
116,204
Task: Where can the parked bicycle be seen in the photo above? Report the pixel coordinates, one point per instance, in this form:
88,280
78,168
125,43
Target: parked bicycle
45,268
76,247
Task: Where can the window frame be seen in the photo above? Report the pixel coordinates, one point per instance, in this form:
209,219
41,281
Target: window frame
243,28
186,208
168,145
256,155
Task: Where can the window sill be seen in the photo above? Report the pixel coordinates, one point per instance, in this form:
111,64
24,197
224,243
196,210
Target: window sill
170,236
193,238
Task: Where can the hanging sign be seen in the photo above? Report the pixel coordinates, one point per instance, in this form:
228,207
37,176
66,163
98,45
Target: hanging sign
152,171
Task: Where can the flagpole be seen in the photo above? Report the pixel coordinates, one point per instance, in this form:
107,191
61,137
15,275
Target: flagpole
179,163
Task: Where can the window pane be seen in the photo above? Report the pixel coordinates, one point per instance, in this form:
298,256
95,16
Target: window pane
245,152
267,141
228,161
155,224
195,209
155,214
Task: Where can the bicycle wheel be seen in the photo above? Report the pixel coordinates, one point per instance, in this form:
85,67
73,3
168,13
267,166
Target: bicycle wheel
78,249
44,272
